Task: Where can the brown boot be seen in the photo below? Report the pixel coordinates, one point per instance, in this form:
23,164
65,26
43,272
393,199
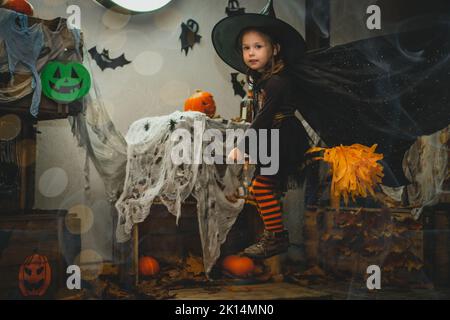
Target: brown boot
270,244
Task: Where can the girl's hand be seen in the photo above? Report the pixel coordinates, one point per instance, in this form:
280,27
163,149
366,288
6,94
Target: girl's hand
236,155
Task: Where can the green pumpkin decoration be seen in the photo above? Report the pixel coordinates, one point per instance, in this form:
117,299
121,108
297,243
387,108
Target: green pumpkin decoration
65,82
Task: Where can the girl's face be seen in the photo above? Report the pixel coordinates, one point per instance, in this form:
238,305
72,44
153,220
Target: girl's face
257,51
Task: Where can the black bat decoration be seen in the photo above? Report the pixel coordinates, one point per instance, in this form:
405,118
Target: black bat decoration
233,8
189,35
104,61
238,86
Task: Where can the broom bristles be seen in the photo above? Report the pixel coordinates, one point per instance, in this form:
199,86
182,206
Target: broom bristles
355,171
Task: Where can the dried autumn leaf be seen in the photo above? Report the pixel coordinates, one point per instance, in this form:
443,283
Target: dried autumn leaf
110,269
374,246
338,236
173,274
344,219
352,232
386,234
398,230
397,248
412,262
314,271
325,237
113,291
194,265
411,224
393,261
388,231
375,222
399,217
346,252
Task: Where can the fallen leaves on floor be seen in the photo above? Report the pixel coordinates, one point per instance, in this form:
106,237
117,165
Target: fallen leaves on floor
312,275
366,236
151,290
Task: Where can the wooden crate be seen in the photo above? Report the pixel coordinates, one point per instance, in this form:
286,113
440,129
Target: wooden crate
365,237
159,236
437,245
44,233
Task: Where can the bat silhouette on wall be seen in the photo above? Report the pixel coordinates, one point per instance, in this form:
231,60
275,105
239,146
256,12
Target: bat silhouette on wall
238,86
104,61
189,35
233,8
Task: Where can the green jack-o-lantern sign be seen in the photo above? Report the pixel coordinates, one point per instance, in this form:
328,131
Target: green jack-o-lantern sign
65,82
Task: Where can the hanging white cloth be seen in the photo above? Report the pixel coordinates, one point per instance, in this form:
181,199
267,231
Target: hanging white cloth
151,172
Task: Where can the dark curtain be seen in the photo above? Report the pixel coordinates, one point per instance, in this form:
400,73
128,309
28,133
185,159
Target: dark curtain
386,90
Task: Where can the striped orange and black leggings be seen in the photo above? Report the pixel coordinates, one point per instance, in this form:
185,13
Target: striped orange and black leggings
268,203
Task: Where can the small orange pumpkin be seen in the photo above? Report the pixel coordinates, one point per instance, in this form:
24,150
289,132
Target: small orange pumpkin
239,266
35,276
148,266
21,6
201,101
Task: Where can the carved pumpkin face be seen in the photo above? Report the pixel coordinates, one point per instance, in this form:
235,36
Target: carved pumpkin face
65,82
238,266
201,101
35,276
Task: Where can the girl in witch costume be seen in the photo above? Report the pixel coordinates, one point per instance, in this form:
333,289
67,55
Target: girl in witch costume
259,48
379,93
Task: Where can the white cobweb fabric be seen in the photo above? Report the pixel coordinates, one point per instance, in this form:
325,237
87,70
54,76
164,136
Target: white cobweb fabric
105,146
151,173
425,165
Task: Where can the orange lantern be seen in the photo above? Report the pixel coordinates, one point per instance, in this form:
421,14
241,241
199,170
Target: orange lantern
148,266
201,101
239,266
35,276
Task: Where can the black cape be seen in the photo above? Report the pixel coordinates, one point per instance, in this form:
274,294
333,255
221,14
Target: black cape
386,90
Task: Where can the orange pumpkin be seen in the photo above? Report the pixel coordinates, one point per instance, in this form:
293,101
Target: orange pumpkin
35,276
239,266
148,266
21,6
201,101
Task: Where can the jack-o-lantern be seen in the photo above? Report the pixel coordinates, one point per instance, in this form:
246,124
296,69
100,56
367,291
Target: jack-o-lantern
21,6
238,266
148,266
65,82
201,101
35,276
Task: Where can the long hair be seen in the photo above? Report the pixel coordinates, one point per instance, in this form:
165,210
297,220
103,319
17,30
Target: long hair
276,65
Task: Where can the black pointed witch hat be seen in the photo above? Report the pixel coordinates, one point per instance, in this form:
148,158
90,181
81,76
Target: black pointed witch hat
226,32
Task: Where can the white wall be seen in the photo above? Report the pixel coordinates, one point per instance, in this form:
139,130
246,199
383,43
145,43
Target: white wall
160,78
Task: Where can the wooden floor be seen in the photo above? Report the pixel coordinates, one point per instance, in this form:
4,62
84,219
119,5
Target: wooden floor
267,291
